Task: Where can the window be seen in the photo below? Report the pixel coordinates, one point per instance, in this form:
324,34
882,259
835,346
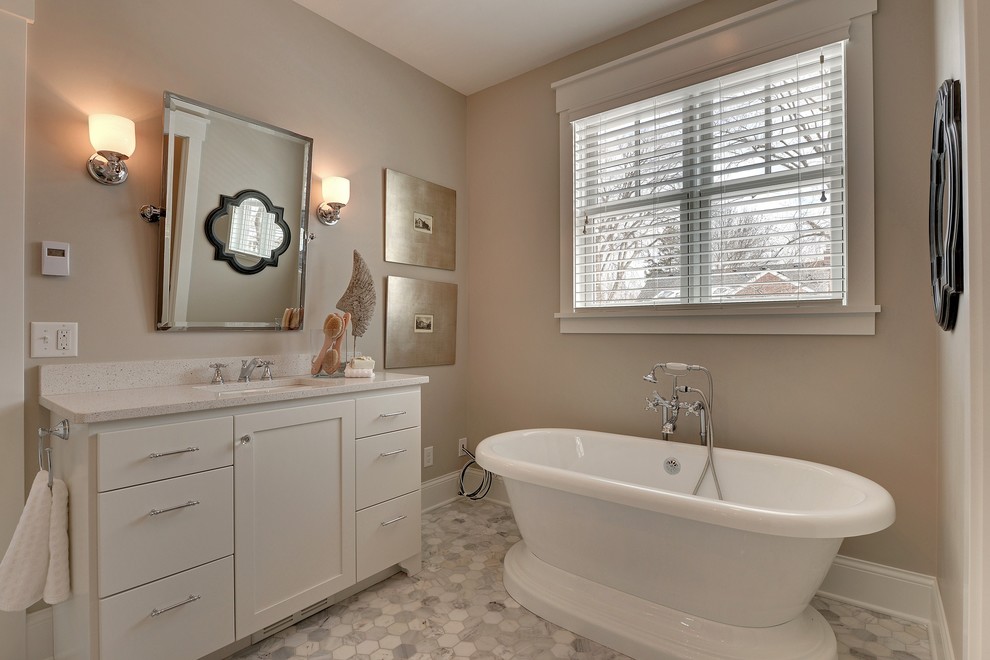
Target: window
253,230
727,191
721,182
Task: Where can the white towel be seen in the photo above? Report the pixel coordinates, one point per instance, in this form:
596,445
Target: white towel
24,567
57,583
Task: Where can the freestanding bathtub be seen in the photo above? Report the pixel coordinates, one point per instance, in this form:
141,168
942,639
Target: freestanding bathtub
615,547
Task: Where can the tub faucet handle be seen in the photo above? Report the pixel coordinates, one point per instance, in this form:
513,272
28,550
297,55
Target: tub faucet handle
693,408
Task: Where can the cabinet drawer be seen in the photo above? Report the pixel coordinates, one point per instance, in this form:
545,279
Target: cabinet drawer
137,456
386,466
389,412
133,625
137,546
387,533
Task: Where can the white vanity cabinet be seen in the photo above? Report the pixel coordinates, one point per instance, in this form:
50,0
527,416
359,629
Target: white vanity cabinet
192,529
151,539
294,520
387,483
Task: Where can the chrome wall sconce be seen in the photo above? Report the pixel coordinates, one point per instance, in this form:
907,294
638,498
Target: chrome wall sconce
336,194
113,138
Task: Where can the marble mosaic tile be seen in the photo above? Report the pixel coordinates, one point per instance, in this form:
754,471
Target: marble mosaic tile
456,607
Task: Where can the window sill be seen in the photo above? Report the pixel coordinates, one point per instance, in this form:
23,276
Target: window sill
748,320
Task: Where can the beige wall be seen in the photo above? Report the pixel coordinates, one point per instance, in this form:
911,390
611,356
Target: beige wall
13,49
271,60
866,404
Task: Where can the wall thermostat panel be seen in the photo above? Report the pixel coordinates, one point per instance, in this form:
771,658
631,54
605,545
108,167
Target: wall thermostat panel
54,258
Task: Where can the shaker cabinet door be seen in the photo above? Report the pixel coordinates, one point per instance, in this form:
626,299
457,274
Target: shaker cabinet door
293,510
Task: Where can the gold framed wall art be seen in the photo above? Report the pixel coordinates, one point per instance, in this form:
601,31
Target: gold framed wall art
420,323
420,222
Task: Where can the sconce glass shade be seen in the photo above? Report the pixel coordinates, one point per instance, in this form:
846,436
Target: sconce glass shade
112,133
336,194
113,138
336,190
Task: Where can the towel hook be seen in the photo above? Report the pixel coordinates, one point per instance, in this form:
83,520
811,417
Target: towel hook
60,430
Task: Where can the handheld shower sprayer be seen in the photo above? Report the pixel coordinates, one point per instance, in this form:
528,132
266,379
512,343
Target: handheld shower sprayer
672,369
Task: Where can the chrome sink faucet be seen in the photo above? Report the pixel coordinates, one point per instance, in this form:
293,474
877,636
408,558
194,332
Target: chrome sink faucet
247,368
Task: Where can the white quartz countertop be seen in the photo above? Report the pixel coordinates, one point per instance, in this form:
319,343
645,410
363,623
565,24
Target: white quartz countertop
109,405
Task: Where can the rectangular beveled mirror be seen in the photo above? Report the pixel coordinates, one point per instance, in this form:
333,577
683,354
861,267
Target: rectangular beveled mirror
233,239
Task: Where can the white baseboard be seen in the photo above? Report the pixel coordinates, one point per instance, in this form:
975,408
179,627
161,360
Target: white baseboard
443,489
880,588
904,594
40,640
439,491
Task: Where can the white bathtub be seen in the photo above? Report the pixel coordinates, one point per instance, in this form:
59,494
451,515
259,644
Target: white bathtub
607,529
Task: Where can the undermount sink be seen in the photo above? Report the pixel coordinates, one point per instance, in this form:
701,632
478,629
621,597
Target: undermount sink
261,387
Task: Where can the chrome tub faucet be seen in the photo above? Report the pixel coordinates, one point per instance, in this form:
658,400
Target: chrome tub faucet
670,407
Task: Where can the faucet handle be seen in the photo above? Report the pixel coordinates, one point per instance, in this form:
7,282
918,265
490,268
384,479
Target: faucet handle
217,374
266,372
693,408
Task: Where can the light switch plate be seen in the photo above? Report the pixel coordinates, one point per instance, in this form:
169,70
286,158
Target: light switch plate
54,339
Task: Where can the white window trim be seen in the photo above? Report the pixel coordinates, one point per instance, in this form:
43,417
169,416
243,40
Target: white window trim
776,30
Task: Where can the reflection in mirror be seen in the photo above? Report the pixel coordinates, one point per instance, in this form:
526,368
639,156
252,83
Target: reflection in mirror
206,248
247,232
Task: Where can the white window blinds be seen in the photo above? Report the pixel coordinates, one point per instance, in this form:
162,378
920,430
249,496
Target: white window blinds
253,230
732,190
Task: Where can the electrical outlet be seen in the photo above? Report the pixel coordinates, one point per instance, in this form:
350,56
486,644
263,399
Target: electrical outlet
54,339
428,456
462,447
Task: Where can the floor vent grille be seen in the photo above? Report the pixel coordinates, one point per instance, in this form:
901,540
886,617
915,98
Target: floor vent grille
290,620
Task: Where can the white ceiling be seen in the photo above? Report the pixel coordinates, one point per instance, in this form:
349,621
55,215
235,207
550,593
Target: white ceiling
472,44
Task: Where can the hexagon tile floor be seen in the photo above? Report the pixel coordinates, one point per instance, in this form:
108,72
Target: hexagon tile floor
456,607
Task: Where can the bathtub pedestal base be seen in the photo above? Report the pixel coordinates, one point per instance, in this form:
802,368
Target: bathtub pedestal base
642,629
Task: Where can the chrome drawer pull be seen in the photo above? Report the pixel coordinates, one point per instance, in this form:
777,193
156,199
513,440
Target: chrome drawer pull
192,598
395,414
393,520
155,512
172,453
391,453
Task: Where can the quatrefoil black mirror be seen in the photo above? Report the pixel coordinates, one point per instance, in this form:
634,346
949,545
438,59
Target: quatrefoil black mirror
945,231
247,231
